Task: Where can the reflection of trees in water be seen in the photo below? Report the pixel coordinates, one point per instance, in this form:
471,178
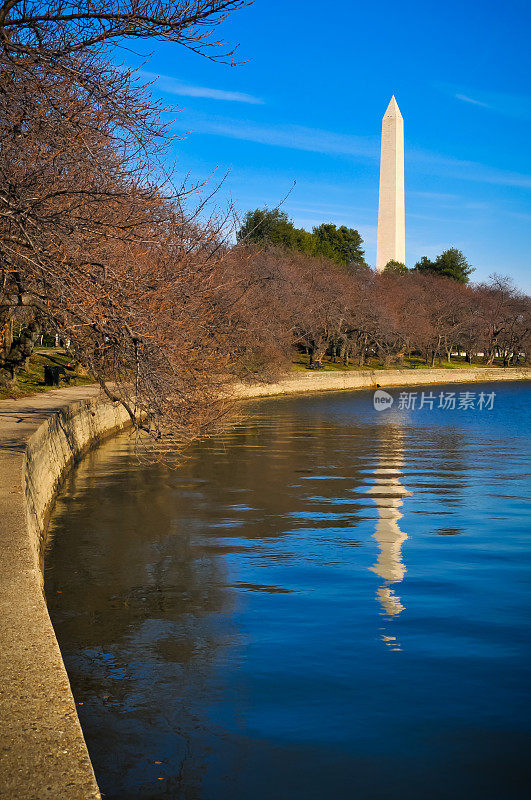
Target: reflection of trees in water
273,466
146,625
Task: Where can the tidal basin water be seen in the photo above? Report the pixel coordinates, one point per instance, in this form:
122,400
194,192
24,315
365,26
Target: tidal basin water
323,601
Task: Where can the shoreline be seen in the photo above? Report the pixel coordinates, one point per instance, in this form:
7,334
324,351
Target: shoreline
370,379
43,750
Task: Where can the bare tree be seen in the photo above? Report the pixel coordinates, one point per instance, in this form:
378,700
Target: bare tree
101,249
60,29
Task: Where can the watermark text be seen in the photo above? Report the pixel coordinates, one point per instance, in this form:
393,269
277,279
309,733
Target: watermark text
448,401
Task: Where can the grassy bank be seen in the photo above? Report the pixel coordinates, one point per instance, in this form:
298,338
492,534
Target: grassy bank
31,379
303,363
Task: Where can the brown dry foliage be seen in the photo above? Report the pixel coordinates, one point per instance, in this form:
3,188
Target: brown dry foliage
105,251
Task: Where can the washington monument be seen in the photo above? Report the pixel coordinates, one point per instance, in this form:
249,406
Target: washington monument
391,214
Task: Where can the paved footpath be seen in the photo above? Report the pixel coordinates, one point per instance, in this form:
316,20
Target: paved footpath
42,750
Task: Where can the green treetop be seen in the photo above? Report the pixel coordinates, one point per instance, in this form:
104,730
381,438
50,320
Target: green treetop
342,244
395,268
450,264
262,226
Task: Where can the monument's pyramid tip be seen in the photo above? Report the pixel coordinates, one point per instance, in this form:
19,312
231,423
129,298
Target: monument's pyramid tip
392,108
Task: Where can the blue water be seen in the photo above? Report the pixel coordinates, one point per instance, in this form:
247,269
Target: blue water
322,601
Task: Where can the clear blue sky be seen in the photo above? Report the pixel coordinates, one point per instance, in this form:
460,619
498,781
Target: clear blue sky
307,107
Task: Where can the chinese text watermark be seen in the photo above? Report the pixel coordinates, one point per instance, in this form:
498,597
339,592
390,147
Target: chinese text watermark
449,401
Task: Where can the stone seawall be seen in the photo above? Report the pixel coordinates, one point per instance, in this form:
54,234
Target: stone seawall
42,749
367,379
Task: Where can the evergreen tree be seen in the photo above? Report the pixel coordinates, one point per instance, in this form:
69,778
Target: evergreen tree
450,264
262,226
453,264
395,268
343,245
424,265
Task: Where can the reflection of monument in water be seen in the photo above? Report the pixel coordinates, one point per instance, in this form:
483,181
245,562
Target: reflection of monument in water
388,494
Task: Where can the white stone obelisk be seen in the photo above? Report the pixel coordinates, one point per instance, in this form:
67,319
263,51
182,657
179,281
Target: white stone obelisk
391,212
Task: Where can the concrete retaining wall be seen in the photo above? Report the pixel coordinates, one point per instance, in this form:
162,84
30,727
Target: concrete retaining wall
42,749
367,379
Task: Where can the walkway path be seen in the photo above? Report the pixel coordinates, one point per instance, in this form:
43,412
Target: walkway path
42,750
